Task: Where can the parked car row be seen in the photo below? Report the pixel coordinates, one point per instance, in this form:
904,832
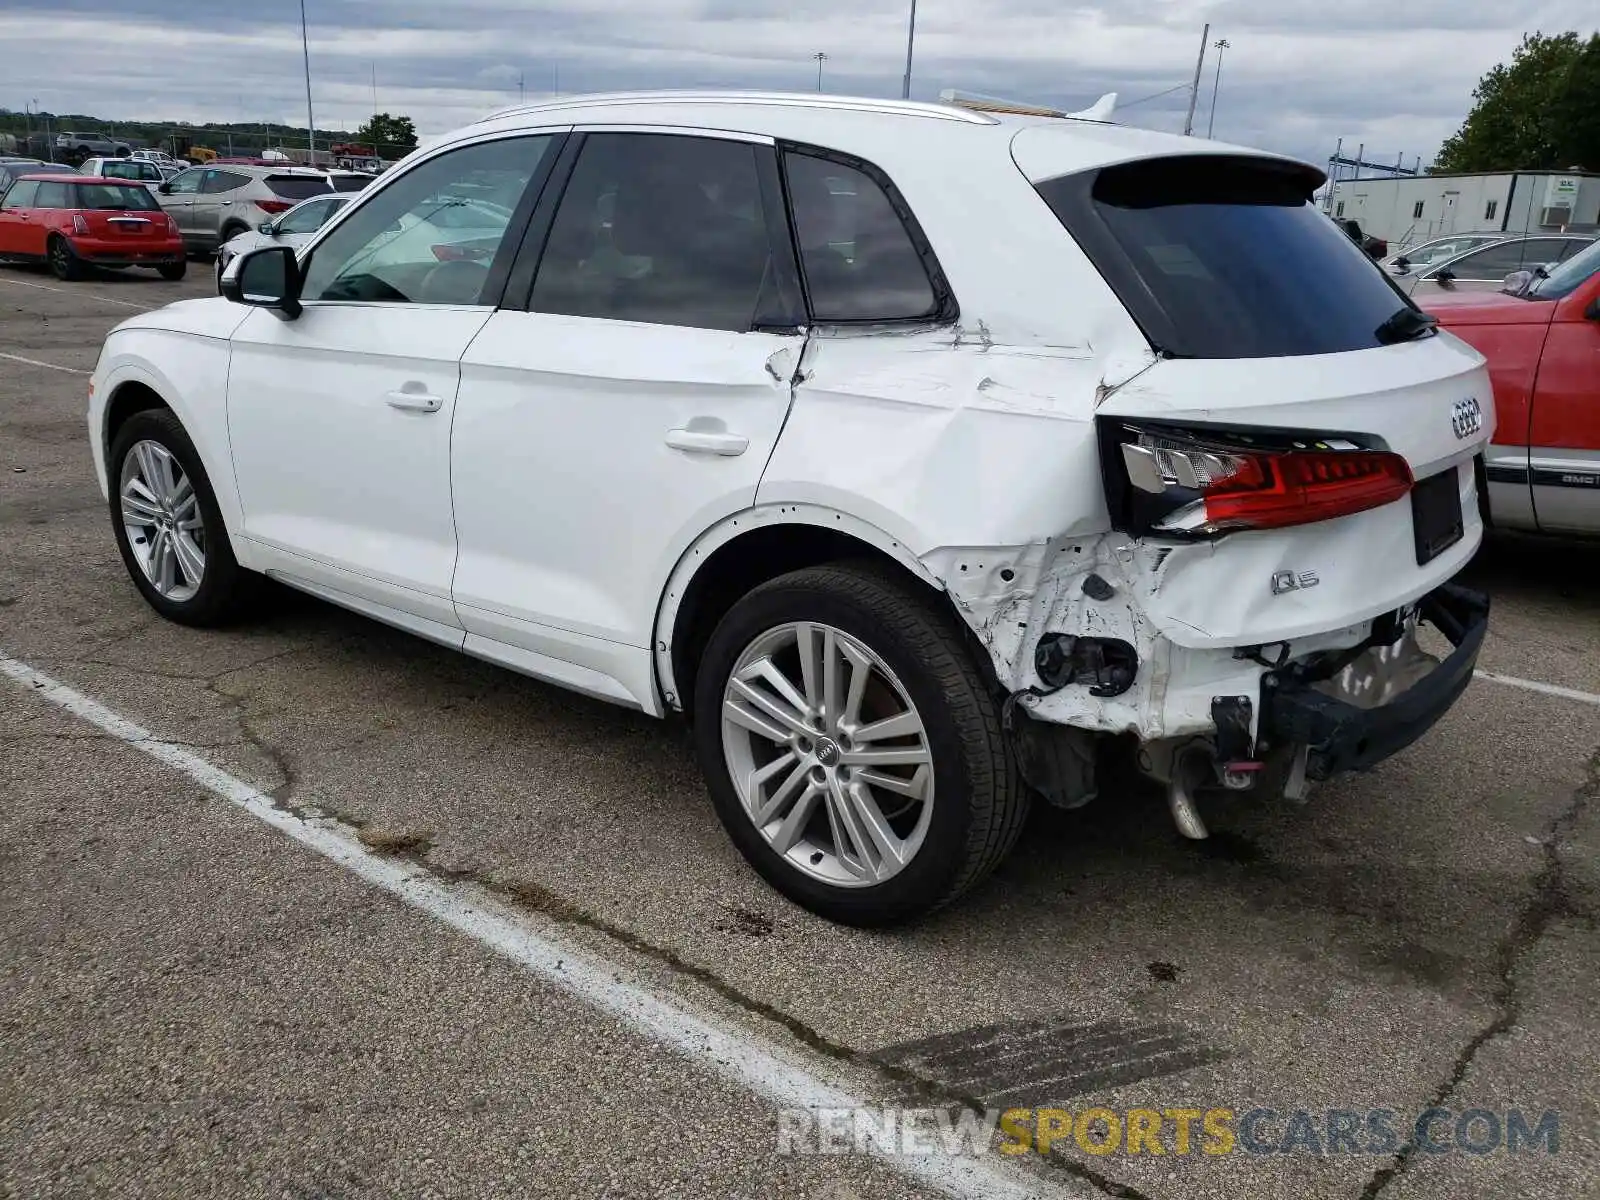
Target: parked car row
61,219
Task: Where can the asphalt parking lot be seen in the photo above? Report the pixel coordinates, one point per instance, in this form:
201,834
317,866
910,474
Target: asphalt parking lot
193,1003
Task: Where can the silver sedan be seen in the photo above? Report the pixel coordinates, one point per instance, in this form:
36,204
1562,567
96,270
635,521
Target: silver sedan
293,228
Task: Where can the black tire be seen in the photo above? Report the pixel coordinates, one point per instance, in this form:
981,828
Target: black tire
979,802
172,272
64,264
226,589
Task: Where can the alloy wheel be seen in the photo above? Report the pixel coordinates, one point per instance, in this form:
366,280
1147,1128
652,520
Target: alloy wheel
828,754
161,516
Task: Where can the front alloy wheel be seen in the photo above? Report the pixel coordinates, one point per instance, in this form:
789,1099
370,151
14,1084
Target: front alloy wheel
161,517
168,527
828,754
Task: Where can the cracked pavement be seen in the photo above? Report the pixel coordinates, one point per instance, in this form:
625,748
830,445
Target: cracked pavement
194,1006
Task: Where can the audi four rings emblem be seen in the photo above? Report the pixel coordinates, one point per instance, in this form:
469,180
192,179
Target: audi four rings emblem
1466,417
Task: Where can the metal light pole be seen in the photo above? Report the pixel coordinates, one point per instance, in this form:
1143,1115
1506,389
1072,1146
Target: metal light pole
1219,46
821,58
911,40
311,120
1194,90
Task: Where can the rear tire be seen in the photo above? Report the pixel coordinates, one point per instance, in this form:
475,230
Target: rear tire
160,493
172,272
923,676
64,264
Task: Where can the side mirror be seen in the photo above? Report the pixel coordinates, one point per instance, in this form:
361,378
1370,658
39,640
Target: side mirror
1516,283
265,227
1444,275
1592,312
164,188
265,278
1403,263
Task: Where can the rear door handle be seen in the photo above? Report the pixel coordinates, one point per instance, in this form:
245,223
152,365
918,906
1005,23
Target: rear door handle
414,401
705,441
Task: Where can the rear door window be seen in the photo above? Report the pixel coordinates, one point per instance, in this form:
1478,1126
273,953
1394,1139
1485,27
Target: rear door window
51,195
860,261
298,187
659,228
217,182
1225,257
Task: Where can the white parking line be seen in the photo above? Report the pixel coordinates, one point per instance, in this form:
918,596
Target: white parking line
34,362
44,287
1546,689
776,1073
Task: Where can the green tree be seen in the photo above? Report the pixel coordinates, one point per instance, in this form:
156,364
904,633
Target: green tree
391,136
1536,113
1575,110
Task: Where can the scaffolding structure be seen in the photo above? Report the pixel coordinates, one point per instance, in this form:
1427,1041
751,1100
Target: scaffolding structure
1342,169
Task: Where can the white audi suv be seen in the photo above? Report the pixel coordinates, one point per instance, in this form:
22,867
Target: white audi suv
913,454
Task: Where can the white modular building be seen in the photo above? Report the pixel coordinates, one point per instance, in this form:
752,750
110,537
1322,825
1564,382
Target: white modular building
1411,209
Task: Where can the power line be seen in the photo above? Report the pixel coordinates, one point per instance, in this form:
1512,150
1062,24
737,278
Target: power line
1182,87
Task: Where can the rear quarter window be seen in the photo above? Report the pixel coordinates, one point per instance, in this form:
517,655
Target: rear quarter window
1225,257
298,187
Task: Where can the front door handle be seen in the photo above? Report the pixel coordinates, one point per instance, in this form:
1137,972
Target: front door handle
707,441
414,401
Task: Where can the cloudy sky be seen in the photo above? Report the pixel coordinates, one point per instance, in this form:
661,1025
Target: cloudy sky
1299,73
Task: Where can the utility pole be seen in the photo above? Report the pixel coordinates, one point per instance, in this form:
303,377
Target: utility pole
311,120
1333,177
911,40
377,151
1219,46
821,58
522,88
1194,89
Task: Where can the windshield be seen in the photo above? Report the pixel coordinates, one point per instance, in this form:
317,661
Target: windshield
114,197
1226,257
1564,279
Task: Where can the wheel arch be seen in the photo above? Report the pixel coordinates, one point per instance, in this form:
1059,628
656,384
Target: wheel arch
133,385
740,553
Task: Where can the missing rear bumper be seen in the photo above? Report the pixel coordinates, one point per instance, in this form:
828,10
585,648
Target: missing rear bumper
1378,703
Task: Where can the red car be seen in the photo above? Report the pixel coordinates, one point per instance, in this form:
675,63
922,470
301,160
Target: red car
1543,347
74,221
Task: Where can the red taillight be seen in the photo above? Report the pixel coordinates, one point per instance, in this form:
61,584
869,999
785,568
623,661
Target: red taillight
79,225
1202,488
274,206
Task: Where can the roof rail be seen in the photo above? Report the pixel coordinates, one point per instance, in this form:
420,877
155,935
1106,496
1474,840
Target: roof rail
908,108
1100,110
